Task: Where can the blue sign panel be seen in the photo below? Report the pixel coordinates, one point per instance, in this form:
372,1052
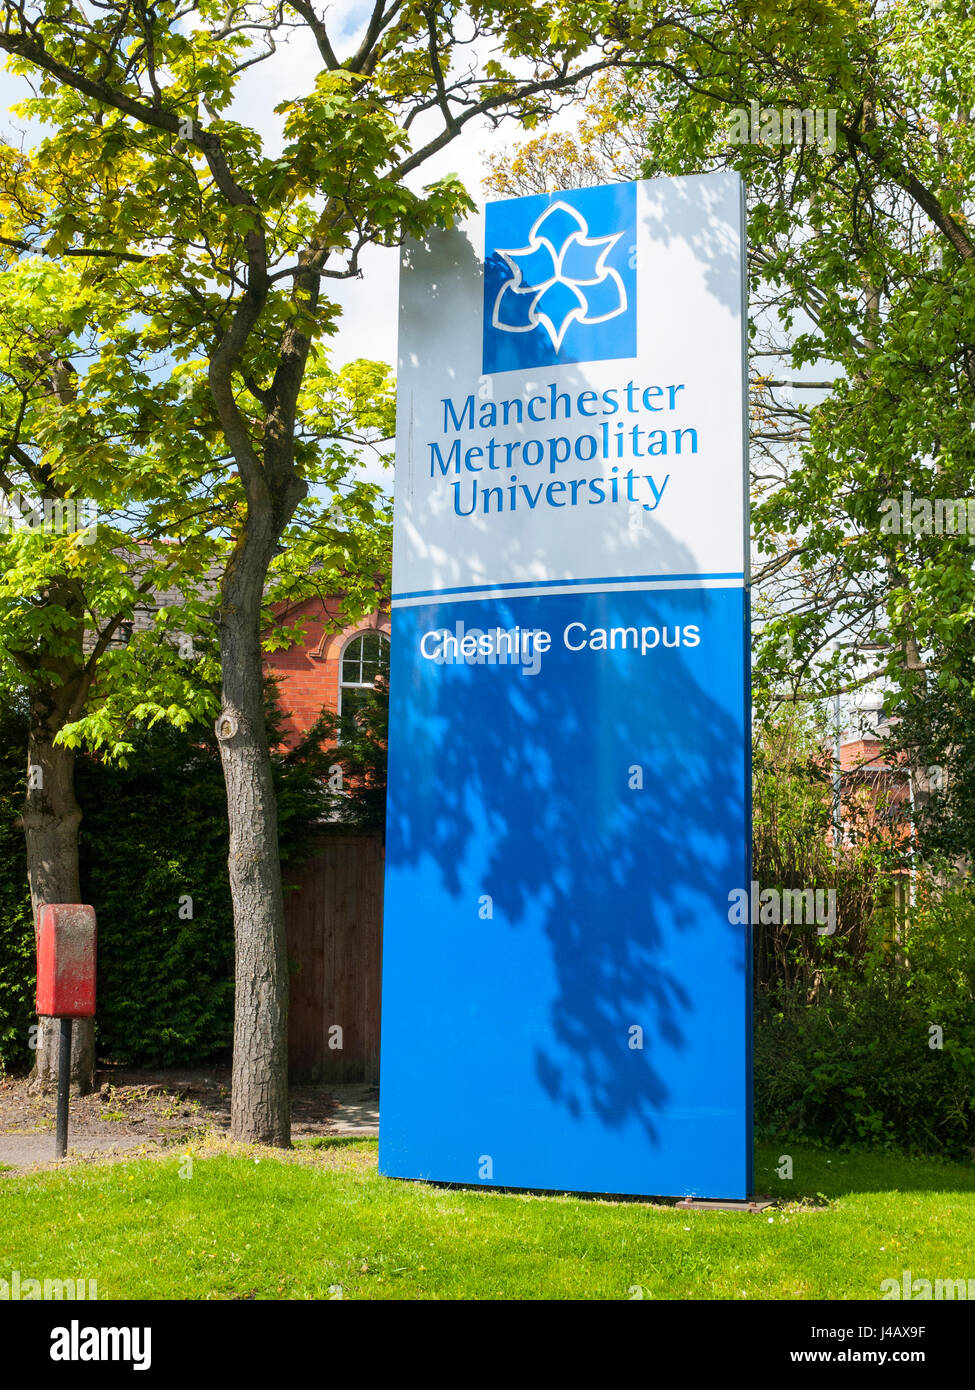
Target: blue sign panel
560,278
566,1004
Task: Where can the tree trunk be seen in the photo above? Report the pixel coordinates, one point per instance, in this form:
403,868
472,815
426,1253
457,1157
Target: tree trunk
259,1088
259,1103
51,819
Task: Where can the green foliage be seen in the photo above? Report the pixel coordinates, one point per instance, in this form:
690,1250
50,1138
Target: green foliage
16,923
152,832
358,746
842,1022
935,735
858,1066
153,837
792,819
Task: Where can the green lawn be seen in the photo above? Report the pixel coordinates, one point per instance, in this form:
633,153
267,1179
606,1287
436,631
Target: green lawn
266,1228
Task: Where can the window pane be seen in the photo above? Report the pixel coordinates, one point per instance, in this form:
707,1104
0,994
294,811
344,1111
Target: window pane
353,700
351,663
365,658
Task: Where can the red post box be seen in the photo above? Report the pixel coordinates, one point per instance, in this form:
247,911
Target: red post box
66,960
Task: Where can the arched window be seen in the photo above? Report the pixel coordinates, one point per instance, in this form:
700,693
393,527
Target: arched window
365,657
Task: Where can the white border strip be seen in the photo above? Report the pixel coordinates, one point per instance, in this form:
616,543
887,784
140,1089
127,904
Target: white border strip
564,591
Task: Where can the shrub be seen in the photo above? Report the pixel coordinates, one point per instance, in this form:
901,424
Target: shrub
153,852
16,921
862,1064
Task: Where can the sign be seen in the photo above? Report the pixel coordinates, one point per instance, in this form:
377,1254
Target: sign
66,960
566,1004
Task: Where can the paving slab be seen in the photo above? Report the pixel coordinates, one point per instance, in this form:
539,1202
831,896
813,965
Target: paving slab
30,1150
355,1109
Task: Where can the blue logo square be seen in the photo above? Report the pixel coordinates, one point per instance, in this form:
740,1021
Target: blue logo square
560,278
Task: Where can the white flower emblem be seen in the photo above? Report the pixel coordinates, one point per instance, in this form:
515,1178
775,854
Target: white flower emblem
559,278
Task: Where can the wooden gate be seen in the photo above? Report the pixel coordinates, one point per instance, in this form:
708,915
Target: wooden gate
333,924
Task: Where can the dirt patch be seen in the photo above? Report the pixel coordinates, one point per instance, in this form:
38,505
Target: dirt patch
131,1110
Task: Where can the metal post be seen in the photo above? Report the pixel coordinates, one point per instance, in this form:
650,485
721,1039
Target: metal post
912,867
64,1089
837,778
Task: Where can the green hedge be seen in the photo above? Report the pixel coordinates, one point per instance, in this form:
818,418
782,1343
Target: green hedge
153,833
16,924
859,1066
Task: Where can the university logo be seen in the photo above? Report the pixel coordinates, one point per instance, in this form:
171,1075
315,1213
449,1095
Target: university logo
560,278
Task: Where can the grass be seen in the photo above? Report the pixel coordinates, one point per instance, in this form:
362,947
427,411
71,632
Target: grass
257,1224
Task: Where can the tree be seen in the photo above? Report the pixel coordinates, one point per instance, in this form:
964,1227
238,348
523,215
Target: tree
111,512
240,242
72,578
866,247
860,260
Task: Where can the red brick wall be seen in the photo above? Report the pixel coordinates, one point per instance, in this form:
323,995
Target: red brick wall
308,672
870,782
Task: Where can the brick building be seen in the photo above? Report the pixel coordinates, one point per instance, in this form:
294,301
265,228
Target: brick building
334,902
881,790
321,670
326,668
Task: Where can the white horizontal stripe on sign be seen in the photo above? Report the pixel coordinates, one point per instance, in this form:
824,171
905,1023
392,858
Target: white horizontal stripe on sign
595,587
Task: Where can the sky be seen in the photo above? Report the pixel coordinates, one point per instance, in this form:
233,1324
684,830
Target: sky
368,325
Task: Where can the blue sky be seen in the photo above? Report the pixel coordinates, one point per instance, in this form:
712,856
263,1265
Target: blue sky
369,322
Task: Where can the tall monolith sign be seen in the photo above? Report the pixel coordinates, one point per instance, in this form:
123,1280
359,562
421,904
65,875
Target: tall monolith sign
566,1004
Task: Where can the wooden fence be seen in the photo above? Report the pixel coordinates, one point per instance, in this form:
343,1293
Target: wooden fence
333,922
